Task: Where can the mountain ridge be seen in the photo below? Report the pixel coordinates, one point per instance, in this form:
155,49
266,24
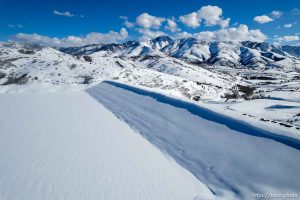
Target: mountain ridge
234,54
186,67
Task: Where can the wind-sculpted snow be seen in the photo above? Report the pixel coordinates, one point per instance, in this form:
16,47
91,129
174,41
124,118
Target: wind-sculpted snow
67,146
232,158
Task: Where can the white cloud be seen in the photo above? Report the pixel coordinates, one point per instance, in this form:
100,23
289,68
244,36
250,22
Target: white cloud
182,35
91,38
190,20
209,15
262,19
276,13
287,38
36,38
148,21
207,35
15,25
224,23
148,34
127,23
172,25
295,11
288,25
241,33
64,13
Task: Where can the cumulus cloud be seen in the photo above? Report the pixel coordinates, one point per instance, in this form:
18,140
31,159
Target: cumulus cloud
36,38
276,14
209,15
207,35
287,38
148,34
127,23
183,34
224,23
91,38
190,20
148,21
288,25
63,13
240,33
262,19
172,26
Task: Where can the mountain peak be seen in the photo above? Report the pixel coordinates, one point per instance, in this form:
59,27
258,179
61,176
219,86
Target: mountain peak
163,38
161,42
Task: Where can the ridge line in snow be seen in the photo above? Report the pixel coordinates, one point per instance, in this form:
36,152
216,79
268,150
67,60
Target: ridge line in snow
205,113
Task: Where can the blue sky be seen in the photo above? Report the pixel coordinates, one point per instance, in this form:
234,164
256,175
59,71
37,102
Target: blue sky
69,23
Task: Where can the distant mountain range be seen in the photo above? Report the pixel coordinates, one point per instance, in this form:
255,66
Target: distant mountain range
184,67
230,54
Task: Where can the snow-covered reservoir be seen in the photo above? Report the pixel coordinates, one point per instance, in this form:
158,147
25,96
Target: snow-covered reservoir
66,145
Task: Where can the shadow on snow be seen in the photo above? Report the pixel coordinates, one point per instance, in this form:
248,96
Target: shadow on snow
212,116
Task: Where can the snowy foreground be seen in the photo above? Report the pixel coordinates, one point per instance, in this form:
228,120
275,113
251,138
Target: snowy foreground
119,142
65,145
232,158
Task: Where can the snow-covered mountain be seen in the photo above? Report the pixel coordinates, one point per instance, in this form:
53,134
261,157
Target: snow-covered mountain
230,54
187,67
28,64
292,50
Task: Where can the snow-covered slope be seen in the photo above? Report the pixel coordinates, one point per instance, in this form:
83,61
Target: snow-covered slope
26,65
79,51
187,68
234,159
21,64
65,145
292,50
